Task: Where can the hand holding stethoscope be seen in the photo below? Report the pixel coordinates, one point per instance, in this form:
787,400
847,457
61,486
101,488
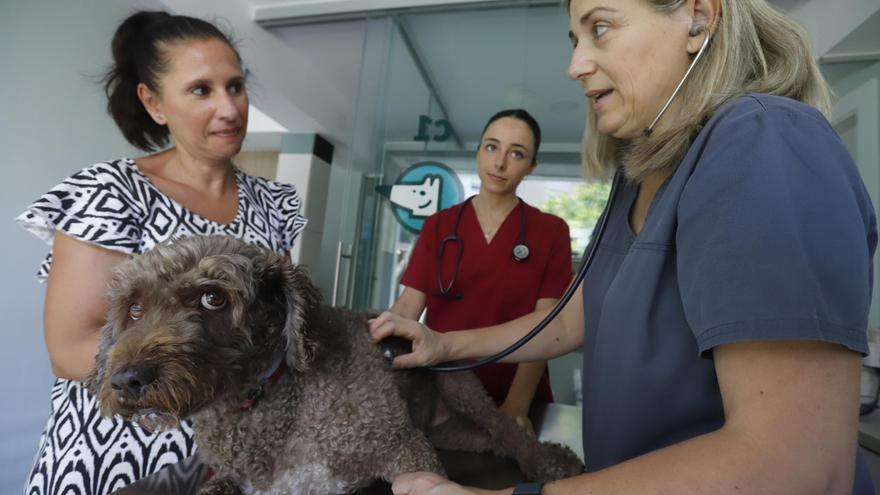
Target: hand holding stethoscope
426,348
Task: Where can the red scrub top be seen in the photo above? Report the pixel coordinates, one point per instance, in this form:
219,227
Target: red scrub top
494,287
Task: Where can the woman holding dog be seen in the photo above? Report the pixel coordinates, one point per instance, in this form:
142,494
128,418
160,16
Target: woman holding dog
723,319
177,79
492,228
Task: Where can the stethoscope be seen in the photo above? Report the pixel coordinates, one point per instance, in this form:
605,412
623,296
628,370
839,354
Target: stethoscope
520,250
589,254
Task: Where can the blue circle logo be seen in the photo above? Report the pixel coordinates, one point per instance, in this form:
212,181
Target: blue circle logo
420,191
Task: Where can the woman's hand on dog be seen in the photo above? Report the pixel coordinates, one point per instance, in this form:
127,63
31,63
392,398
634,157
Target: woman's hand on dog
428,346
424,483
520,415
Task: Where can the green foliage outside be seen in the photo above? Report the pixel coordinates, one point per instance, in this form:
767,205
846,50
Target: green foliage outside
580,208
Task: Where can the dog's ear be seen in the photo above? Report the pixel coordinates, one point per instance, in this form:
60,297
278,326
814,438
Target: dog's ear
95,379
301,299
118,291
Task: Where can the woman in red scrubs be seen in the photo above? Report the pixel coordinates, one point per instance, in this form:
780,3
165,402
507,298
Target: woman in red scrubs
493,258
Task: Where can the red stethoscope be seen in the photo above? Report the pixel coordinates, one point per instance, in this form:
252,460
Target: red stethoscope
520,250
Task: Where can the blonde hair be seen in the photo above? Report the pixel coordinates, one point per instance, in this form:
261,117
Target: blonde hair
754,49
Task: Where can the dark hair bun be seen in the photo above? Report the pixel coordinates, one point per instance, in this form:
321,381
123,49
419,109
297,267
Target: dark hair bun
127,36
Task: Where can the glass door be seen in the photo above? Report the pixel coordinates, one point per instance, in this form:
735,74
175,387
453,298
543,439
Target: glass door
445,73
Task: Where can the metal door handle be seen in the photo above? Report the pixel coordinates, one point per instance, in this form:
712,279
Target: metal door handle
339,257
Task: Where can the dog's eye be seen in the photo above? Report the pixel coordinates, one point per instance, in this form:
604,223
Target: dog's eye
213,301
135,311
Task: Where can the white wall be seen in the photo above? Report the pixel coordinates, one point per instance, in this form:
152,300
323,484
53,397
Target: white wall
52,122
828,22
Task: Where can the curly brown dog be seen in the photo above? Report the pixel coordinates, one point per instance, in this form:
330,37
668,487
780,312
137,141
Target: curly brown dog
286,396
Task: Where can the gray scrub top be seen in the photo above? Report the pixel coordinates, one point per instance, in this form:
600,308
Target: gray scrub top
764,231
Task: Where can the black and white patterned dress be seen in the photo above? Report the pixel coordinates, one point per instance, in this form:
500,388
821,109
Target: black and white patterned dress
115,206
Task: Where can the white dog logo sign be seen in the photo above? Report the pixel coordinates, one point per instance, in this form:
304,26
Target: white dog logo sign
420,191
421,199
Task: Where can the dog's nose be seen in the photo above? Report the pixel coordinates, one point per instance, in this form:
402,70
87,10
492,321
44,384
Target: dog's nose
129,382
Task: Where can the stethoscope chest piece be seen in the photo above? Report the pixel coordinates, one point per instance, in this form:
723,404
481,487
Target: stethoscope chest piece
521,252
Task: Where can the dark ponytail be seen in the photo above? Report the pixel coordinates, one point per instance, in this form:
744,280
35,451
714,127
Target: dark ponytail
138,58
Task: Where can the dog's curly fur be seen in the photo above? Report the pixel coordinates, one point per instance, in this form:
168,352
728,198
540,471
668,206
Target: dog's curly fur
195,326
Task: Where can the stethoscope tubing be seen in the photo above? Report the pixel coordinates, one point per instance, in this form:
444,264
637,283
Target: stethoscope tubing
589,254
520,249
